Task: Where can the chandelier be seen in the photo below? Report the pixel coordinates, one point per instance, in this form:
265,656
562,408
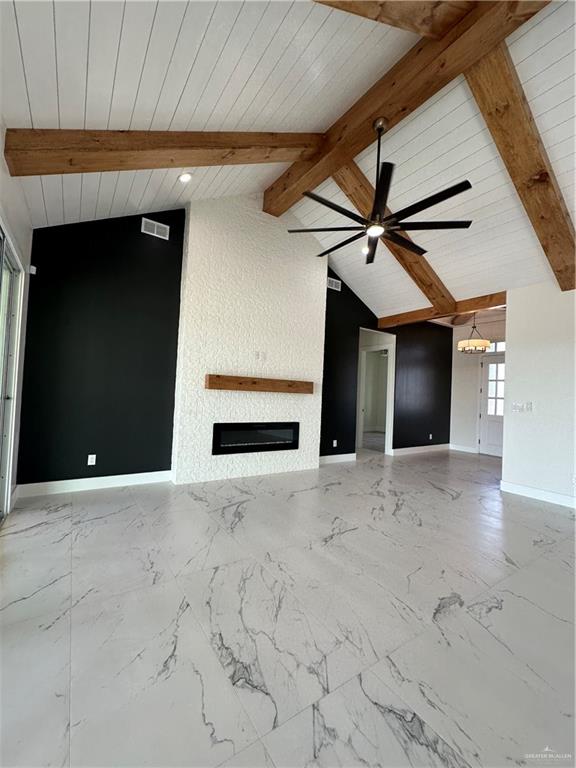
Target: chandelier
475,344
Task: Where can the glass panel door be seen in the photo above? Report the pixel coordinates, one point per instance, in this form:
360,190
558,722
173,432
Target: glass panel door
492,404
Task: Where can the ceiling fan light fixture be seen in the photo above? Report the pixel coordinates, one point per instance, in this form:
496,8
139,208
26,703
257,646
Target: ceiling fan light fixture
375,230
365,250
475,345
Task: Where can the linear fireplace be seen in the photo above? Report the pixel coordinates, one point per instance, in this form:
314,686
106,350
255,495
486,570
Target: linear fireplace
252,437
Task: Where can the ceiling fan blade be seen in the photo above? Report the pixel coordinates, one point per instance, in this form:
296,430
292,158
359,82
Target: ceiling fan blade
402,241
331,229
428,202
382,190
409,225
337,208
372,244
342,244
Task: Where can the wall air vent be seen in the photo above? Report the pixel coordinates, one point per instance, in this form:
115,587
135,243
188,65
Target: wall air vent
335,285
155,229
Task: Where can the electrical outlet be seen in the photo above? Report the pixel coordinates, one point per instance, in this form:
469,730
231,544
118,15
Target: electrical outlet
430,436
91,459
334,443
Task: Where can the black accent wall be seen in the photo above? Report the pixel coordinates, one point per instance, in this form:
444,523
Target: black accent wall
345,315
422,384
101,342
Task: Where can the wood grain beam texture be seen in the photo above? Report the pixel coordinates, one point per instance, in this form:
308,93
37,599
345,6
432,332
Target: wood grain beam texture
31,152
463,307
498,92
360,192
427,18
421,73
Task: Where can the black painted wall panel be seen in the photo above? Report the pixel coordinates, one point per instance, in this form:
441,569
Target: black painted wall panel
345,315
422,384
101,341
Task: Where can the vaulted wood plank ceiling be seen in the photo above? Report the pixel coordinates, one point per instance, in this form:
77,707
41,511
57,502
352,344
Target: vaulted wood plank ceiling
288,67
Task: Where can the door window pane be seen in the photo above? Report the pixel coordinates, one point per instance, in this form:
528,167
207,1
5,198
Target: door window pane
500,346
500,389
501,369
491,389
499,407
491,406
492,370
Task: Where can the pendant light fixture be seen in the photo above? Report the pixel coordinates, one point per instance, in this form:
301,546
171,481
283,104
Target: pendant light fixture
475,344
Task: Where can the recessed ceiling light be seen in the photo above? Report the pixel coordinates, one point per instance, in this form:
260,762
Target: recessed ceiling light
365,250
375,230
185,177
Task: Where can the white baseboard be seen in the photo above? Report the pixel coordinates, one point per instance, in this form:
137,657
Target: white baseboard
420,449
337,458
463,448
91,483
540,495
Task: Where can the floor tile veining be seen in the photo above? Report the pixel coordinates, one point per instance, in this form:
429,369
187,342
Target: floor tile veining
388,612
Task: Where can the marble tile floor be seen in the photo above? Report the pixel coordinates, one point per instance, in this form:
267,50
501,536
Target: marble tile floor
389,612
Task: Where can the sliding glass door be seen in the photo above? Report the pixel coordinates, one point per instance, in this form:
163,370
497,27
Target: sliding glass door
9,274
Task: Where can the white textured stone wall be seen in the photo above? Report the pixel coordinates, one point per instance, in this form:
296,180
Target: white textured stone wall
248,287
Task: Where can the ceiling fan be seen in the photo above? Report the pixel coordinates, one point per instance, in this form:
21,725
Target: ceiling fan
382,223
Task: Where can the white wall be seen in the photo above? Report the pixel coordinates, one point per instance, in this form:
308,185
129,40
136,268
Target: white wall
247,287
540,355
465,398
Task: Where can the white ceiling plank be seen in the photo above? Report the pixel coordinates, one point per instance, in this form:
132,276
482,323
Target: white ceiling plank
107,185
105,28
36,29
32,189
316,49
322,88
150,191
121,192
240,38
139,17
283,71
248,97
194,27
165,34
15,108
71,192
71,24
52,188
89,197
137,189
268,27
212,44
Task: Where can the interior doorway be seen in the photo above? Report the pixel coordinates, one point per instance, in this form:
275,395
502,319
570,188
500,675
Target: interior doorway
375,399
373,410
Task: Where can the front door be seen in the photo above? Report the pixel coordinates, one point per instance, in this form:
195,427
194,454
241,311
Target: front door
492,405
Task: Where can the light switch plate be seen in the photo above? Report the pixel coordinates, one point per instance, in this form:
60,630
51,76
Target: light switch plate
91,459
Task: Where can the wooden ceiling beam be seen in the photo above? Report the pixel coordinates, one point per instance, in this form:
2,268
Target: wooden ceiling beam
360,192
427,18
32,152
421,73
498,92
463,307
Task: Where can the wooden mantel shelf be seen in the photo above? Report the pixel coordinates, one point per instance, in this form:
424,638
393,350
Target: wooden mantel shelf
253,384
